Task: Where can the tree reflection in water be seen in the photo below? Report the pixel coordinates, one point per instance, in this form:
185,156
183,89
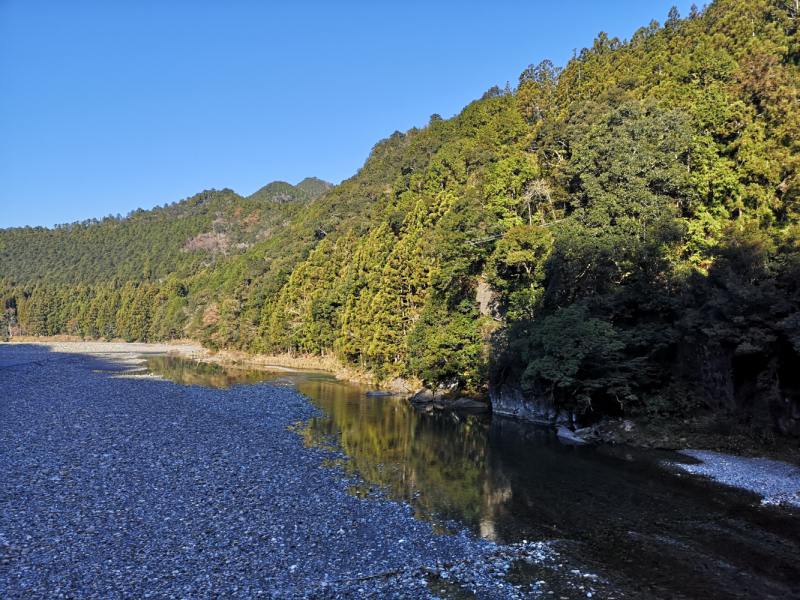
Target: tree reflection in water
191,372
439,462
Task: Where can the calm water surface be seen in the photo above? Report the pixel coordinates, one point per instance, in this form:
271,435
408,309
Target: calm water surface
614,508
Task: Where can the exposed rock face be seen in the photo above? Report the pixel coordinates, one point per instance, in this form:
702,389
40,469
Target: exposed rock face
716,375
215,243
446,395
752,384
487,300
398,385
509,399
447,390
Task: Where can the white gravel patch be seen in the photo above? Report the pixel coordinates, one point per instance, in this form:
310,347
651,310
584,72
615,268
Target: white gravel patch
777,482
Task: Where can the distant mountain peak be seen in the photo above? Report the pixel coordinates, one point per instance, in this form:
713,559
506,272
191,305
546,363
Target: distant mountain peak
278,192
314,187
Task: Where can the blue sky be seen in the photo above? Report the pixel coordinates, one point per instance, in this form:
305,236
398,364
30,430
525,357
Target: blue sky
111,106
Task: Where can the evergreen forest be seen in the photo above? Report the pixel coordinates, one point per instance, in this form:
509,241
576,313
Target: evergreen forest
620,234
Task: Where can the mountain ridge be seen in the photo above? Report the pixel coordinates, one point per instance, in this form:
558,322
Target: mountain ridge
163,238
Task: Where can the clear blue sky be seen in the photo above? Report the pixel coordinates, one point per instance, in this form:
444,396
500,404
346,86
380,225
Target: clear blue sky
110,106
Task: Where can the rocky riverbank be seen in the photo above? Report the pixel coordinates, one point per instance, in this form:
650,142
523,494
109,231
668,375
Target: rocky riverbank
121,487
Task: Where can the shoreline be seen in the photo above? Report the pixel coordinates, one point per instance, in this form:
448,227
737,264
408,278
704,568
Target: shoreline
327,363
716,464
127,353
226,357
191,349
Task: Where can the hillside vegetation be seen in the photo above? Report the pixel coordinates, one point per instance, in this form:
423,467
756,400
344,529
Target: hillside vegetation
618,235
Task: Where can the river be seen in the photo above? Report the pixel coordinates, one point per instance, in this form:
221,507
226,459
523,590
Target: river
616,509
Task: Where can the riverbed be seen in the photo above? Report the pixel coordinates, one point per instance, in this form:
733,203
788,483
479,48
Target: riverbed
446,504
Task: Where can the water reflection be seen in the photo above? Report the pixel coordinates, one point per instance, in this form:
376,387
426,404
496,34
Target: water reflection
190,372
507,481
436,461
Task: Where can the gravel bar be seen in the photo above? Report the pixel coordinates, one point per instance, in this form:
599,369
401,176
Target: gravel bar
133,487
777,482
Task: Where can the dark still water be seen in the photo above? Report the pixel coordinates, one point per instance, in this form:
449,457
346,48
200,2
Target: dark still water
615,509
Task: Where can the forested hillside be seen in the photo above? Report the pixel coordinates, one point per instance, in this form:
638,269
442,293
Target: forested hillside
620,234
173,240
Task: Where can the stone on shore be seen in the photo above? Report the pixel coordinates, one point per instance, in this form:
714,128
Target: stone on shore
423,396
567,436
469,404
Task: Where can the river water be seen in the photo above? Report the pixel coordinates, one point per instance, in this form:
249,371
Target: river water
658,532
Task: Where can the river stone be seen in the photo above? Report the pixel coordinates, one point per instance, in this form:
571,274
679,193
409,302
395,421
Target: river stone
469,403
565,435
378,393
587,433
446,391
423,396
